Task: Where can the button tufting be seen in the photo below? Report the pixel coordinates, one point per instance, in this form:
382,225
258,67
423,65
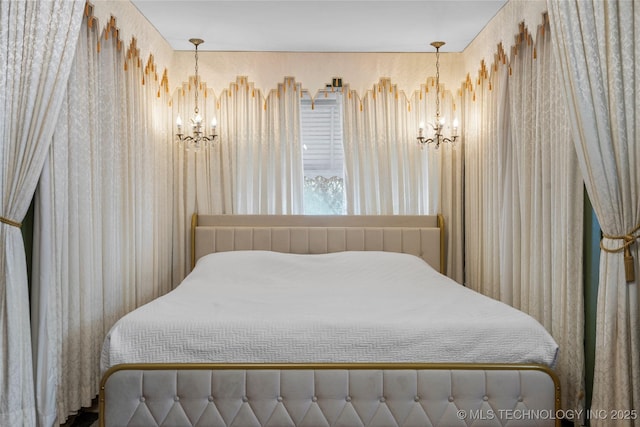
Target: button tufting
382,399
314,399
485,398
416,398
142,399
279,399
245,399
210,398
520,399
348,399
451,399
176,399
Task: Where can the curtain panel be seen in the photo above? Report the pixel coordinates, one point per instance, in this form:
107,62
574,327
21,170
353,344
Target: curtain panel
546,202
383,161
598,48
483,104
524,198
255,165
387,172
102,235
443,169
37,44
281,189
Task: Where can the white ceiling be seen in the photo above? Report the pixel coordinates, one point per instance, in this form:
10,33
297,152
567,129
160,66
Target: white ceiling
320,25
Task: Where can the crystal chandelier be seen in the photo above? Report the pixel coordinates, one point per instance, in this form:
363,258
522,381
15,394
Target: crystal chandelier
438,125
197,140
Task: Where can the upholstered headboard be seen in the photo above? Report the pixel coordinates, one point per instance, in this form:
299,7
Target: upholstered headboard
420,235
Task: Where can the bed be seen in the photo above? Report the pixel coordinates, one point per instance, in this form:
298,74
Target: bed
323,321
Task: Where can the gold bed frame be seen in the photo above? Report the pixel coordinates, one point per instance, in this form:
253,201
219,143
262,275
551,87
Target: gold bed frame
321,221
337,365
327,366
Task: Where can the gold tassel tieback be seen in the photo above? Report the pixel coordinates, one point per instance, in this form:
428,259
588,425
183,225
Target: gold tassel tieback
628,239
10,222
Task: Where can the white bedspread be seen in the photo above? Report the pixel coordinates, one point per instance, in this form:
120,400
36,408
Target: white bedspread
257,306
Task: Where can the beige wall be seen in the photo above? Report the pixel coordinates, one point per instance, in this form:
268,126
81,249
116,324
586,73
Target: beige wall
313,70
132,24
503,28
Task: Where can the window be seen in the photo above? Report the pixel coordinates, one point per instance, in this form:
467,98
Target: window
323,154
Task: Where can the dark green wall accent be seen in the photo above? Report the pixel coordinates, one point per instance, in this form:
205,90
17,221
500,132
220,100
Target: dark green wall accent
27,236
591,272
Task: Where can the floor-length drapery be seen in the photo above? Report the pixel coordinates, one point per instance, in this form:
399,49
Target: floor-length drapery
387,172
37,44
282,183
483,104
598,47
102,234
545,208
443,168
254,166
524,198
197,178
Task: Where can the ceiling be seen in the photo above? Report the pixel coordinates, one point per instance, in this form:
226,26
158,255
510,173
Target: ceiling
320,25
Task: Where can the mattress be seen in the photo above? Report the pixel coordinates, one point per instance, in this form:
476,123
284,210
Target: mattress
269,307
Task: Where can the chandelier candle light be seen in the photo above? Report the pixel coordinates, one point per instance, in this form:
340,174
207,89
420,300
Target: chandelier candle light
198,139
438,125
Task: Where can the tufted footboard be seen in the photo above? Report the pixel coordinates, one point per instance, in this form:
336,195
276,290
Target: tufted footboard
328,395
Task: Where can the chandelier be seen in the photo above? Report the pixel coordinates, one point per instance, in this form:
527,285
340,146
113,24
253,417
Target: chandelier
438,124
197,140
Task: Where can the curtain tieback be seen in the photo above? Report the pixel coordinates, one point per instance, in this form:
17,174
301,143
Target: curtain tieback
628,240
10,222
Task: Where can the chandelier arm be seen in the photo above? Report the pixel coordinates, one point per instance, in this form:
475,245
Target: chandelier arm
424,140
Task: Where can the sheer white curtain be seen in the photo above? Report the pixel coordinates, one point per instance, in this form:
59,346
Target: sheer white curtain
282,182
102,237
273,182
598,47
524,198
255,166
387,172
547,193
197,180
257,163
485,127
37,44
443,169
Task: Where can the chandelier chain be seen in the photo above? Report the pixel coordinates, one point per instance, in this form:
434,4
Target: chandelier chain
197,81
198,138
438,126
437,82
